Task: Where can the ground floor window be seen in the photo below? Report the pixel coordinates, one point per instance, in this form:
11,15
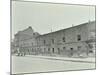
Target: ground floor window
64,48
79,47
48,49
53,50
32,50
90,51
58,50
71,51
44,49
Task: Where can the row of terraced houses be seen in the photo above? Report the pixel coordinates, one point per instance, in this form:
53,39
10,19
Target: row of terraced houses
75,41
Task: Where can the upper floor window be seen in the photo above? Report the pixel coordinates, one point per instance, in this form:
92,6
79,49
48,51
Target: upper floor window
53,41
32,50
64,39
33,33
32,44
78,37
44,42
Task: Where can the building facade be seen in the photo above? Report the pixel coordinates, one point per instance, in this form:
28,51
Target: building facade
75,41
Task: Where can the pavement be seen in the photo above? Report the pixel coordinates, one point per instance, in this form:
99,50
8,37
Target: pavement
72,59
37,64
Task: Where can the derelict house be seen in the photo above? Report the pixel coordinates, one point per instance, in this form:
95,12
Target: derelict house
75,41
25,41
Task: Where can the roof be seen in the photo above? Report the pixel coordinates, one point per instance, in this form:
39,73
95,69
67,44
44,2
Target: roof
69,28
27,31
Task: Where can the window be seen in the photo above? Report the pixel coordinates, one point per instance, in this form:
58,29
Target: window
44,42
28,50
48,49
90,51
37,48
64,48
32,50
33,33
79,47
78,37
32,44
44,49
90,46
53,41
64,39
53,50
58,50
71,49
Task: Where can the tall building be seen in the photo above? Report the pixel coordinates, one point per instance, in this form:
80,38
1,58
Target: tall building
75,41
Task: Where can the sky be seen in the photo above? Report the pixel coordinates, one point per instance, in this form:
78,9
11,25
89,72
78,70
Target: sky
47,17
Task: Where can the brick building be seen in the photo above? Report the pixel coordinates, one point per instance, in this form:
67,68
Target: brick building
72,42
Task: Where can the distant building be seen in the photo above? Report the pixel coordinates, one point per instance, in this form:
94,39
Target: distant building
75,41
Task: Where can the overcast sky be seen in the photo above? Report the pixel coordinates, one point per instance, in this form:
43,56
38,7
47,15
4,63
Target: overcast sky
43,16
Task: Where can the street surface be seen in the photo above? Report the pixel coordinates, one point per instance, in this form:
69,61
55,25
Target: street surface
27,64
